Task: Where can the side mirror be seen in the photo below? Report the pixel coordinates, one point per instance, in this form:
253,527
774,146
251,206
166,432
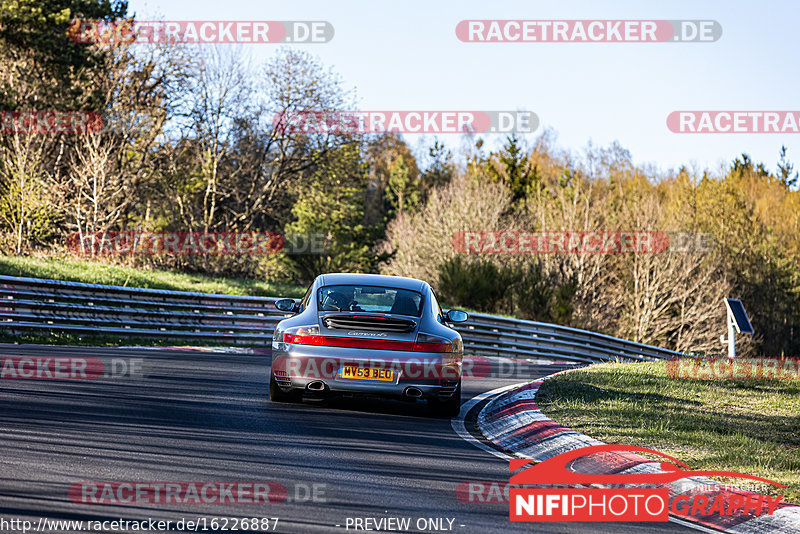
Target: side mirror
456,316
287,305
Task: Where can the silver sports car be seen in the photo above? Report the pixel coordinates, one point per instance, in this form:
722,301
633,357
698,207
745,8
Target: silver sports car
368,334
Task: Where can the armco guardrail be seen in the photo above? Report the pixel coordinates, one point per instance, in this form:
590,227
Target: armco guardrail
33,304
37,304
505,336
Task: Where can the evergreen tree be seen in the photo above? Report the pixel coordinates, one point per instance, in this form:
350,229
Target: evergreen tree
328,233
402,191
513,168
785,169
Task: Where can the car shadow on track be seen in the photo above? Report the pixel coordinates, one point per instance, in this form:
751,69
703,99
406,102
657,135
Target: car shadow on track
370,405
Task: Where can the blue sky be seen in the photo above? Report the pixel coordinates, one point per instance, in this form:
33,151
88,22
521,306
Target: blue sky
405,56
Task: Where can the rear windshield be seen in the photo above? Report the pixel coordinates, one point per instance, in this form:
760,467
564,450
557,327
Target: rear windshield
370,299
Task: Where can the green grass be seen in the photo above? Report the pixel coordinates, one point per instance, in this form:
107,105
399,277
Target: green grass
747,426
100,273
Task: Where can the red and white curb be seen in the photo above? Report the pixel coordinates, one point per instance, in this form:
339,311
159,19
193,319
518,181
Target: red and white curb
513,422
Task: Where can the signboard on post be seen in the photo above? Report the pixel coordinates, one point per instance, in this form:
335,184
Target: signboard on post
737,322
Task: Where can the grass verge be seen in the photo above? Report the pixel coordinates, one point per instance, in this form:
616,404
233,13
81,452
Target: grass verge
92,272
747,426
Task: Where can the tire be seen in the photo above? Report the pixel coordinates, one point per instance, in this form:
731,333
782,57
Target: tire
449,408
276,394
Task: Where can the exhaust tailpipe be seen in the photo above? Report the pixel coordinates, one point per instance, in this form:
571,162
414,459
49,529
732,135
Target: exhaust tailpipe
413,393
317,385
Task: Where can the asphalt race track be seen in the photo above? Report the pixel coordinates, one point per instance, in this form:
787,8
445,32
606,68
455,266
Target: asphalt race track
204,416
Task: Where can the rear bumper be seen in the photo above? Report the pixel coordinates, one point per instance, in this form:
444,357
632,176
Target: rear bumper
439,391
435,375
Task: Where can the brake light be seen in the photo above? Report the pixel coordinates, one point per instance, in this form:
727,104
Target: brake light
429,343
309,335
358,343
346,342
303,335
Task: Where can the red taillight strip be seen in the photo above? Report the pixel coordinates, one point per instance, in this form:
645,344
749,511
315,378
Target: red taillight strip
302,340
357,343
433,347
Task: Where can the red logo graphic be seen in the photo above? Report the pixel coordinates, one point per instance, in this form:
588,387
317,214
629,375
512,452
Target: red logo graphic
618,504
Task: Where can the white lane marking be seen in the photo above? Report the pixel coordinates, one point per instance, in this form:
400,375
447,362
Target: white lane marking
460,428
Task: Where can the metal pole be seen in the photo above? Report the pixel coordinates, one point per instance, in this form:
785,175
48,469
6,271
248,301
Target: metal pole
731,337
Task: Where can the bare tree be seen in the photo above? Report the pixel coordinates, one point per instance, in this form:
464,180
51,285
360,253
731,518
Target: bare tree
25,206
221,94
106,172
422,241
97,188
671,298
570,200
273,157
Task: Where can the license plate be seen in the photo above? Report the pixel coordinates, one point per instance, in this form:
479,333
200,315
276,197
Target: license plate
354,372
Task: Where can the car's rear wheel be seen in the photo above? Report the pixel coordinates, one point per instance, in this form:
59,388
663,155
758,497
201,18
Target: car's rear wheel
449,407
276,394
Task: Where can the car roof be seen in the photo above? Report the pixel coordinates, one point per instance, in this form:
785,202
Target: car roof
398,282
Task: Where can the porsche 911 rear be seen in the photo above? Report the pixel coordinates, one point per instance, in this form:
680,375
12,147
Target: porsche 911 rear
357,334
